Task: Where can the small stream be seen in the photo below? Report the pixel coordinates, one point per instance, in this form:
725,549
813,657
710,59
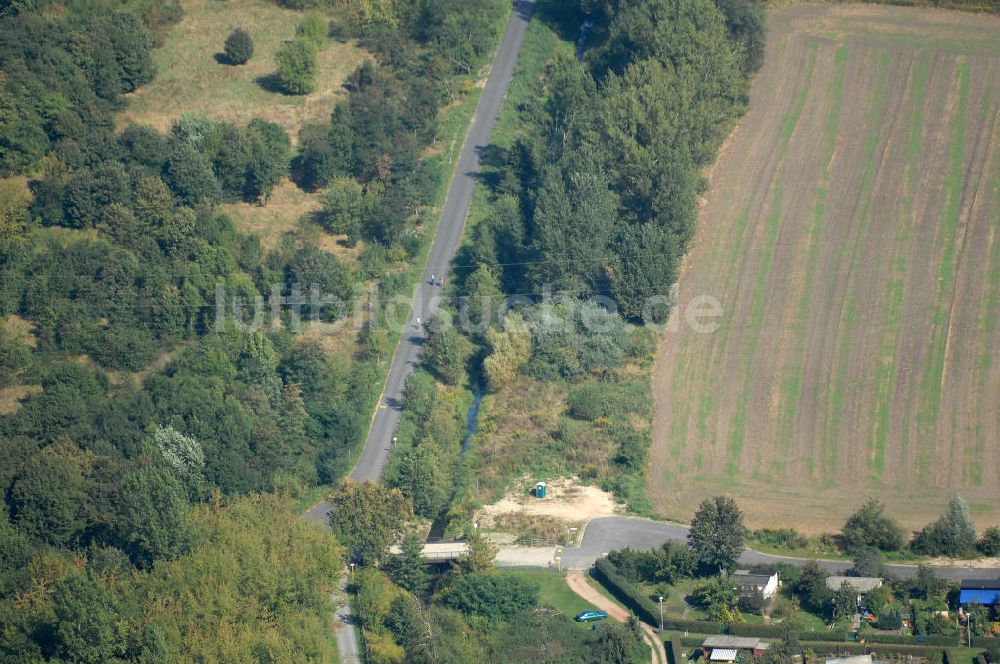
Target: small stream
471,425
472,419
581,42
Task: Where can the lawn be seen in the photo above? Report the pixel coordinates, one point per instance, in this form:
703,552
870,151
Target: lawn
553,590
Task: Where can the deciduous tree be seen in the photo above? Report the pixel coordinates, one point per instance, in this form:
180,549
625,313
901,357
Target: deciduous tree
297,67
870,527
368,517
717,533
480,556
845,600
510,350
408,570
342,208
424,478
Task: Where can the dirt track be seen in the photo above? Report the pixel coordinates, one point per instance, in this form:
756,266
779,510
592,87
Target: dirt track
577,582
851,235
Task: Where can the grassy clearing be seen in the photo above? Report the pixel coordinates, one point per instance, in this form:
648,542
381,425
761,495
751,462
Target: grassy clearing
192,78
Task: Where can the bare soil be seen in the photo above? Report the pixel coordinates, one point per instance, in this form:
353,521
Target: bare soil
566,500
851,235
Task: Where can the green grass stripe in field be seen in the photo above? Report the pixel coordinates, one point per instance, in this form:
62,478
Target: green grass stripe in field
885,369
971,46
758,302
918,99
736,436
992,304
930,388
792,385
988,319
874,121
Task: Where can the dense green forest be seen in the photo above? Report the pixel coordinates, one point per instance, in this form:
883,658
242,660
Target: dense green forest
136,465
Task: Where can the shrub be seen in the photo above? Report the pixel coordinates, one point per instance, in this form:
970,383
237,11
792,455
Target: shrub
989,542
693,626
870,527
238,47
314,29
890,619
832,648
297,67
596,399
780,537
491,596
760,631
902,639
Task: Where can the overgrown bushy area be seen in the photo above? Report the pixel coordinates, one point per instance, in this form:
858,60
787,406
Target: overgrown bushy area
148,405
590,207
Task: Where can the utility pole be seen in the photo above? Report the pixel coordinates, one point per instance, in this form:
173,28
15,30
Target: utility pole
661,614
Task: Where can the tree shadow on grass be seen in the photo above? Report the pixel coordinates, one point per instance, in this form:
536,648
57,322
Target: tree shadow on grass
271,83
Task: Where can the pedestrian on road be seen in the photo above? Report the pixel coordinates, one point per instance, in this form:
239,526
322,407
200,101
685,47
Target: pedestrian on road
417,324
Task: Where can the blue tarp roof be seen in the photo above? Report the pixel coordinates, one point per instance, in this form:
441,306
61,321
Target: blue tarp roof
979,596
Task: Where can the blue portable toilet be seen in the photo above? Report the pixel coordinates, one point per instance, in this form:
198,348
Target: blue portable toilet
541,489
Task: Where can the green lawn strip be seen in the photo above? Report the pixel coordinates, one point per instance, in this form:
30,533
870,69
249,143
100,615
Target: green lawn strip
706,406
793,383
930,385
540,46
849,311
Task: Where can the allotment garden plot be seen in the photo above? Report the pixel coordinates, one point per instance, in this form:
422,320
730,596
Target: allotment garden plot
852,235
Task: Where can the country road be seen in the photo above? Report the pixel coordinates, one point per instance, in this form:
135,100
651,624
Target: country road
616,532
446,241
425,302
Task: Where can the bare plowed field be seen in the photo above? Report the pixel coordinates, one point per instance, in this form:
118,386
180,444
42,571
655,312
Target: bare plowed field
852,235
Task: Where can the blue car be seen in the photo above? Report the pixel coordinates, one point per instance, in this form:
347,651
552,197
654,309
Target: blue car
590,615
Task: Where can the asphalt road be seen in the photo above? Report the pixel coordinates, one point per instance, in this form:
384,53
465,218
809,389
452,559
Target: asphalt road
446,241
616,532
426,298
